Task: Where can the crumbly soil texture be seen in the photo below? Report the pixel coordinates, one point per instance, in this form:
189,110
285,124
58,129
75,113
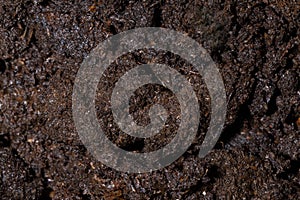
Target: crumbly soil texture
255,45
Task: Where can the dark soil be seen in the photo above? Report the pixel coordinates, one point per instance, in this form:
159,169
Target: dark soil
256,47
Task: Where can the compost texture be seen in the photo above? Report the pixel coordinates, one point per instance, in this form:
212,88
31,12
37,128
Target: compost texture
256,47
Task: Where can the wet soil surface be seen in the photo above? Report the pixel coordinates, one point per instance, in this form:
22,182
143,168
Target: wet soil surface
256,47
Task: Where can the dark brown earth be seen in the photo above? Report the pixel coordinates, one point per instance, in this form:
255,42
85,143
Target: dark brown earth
256,47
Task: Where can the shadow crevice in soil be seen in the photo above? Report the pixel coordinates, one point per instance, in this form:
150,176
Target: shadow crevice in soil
5,140
243,115
231,130
157,15
272,106
2,66
291,171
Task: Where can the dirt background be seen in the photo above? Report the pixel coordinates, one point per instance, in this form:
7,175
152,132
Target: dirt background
256,47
